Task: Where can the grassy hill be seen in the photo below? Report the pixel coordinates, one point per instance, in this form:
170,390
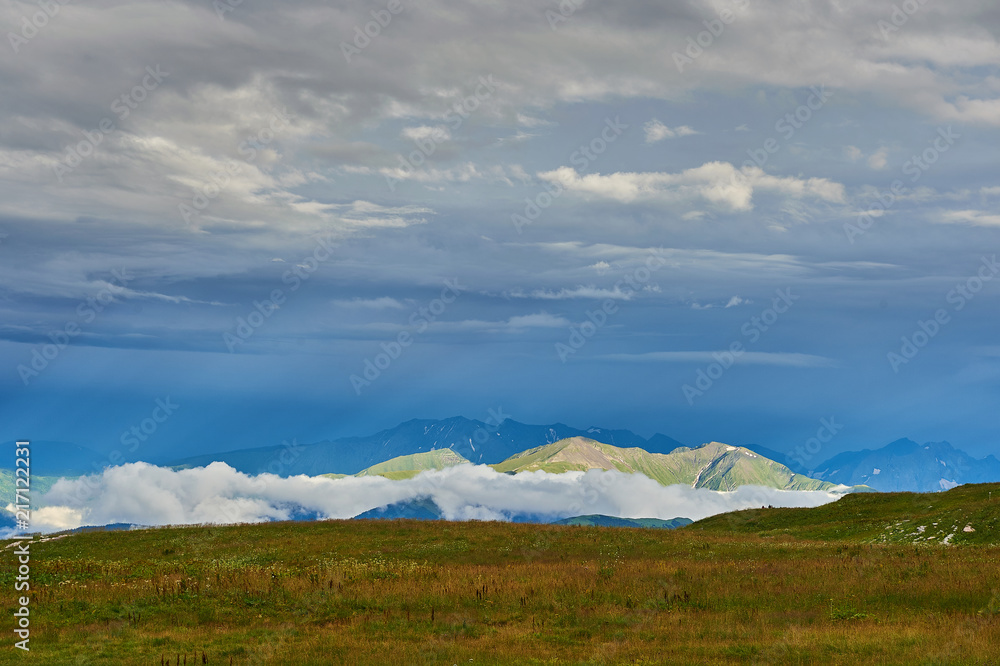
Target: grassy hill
433,592
714,466
406,467
879,518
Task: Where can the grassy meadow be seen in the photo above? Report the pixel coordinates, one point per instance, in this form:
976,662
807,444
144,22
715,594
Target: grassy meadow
764,586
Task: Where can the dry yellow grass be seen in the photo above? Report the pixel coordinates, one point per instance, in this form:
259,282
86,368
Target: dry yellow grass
413,593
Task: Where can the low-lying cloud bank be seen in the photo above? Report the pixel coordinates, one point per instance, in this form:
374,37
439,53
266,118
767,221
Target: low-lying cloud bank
144,494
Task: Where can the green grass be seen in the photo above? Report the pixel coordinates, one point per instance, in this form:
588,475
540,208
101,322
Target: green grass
878,518
799,587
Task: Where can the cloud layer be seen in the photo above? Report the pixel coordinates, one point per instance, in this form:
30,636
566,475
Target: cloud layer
148,495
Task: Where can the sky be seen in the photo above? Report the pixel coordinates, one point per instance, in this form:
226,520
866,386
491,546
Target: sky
721,221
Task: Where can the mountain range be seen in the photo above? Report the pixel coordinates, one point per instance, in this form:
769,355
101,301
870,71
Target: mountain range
903,465
474,440
715,466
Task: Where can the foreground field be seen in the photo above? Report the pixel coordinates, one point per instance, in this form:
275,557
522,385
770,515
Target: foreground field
446,593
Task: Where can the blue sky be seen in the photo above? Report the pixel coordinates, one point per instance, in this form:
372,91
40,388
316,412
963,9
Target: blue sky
167,172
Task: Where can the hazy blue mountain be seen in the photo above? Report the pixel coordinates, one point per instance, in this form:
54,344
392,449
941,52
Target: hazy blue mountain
474,440
425,508
58,458
905,465
598,520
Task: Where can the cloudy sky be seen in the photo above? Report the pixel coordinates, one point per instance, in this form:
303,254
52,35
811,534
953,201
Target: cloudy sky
715,220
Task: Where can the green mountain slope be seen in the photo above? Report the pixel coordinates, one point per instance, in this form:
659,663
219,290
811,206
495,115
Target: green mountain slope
969,514
405,467
715,466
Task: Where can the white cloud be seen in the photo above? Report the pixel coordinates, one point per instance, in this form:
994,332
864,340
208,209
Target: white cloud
143,494
657,131
460,174
515,324
437,133
731,303
531,121
876,160
718,183
601,267
583,291
381,303
517,171
879,158
974,217
790,359
540,320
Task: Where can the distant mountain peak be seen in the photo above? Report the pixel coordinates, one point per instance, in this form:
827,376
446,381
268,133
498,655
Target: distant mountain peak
905,465
713,465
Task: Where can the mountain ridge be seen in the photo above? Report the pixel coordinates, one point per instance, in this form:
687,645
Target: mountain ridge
474,440
714,465
904,465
